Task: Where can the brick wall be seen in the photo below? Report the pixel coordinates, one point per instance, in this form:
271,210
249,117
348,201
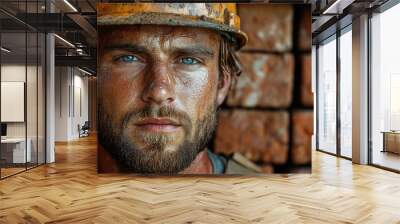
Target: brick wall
268,116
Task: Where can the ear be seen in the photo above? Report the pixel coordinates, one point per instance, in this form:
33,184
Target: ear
224,82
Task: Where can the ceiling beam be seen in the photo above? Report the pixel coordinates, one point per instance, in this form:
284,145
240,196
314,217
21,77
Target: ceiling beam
84,24
81,61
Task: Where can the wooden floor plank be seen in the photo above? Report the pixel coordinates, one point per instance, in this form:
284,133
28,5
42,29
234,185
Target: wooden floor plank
71,191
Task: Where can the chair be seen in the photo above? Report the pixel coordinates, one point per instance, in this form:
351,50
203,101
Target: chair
84,130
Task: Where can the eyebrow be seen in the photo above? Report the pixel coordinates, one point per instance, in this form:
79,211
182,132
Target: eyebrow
128,47
199,50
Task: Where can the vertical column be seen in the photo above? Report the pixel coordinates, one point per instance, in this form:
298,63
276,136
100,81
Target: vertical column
50,92
360,90
338,91
314,92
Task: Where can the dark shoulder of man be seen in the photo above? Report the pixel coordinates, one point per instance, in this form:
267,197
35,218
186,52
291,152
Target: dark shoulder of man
237,164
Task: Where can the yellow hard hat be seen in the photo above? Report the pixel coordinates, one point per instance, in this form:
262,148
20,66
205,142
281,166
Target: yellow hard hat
217,16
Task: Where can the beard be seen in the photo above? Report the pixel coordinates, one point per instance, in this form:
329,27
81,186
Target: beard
153,156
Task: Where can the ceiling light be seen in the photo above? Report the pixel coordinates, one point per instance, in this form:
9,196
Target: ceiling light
338,6
70,5
5,50
84,71
65,41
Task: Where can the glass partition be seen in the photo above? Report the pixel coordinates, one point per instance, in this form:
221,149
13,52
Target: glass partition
14,151
22,88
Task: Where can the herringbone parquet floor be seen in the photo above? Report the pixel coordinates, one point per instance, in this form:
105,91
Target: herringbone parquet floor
70,191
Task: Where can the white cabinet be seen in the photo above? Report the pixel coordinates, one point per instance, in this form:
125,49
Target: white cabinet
19,155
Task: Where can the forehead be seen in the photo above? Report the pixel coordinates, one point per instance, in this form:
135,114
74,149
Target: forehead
159,35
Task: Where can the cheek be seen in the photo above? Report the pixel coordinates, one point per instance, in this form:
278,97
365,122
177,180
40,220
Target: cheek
116,98
198,91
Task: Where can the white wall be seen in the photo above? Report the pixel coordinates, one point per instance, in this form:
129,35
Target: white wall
14,73
61,103
70,83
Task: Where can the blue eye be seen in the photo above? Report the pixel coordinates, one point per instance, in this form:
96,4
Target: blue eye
189,61
128,58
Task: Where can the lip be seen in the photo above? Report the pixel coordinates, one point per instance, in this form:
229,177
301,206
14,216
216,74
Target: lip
158,125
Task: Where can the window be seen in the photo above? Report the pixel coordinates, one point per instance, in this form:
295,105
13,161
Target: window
346,93
327,95
385,88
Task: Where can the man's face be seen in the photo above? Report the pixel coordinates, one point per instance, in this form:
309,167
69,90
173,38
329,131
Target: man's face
159,90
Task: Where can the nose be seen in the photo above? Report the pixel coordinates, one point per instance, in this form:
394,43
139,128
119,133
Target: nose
159,86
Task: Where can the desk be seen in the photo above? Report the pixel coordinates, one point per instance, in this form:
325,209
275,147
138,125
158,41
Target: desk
391,141
15,148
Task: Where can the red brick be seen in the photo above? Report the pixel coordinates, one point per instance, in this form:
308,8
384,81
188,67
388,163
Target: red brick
301,137
266,81
261,136
269,27
304,38
307,97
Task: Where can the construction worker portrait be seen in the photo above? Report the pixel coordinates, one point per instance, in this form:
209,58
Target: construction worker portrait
163,71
